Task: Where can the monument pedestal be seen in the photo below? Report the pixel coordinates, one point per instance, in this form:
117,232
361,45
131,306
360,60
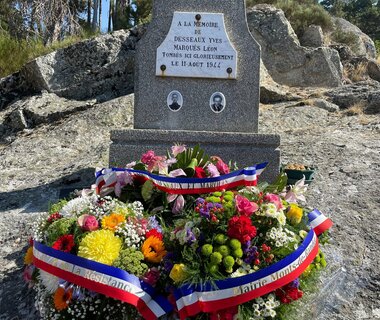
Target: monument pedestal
245,148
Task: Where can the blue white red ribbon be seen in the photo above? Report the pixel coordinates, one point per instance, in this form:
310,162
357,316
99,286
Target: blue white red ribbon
190,299
107,178
319,222
101,278
227,293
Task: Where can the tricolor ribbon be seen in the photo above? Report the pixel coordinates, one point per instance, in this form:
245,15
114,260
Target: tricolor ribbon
107,178
190,299
193,299
101,278
319,222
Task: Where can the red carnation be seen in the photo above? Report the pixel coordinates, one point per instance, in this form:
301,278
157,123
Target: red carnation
64,243
154,233
241,228
200,172
288,294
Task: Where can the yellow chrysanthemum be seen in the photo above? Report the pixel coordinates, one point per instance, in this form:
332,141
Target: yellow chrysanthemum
294,213
153,249
112,221
28,259
178,272
101,246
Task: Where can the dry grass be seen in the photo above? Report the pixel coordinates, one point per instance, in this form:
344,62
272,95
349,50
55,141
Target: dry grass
378,59
355,73
356,109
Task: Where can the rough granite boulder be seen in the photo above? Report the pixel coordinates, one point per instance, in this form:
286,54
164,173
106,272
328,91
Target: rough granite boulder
364,45
364,94
286,60
101,67
312,37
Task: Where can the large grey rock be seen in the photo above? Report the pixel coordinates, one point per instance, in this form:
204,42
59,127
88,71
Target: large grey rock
101,67
272,92
364,45
373,69
325,105
287,62
312,37
365,94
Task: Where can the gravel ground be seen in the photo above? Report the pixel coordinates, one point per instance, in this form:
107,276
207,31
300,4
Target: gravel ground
38,164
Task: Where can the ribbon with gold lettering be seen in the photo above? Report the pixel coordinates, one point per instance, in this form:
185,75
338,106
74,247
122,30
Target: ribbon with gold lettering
101,278
193,299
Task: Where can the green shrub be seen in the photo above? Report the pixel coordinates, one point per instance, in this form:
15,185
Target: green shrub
348,38
15,53
377,45
300,13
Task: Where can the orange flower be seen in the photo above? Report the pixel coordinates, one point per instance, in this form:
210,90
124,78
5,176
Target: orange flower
28,259
112,221
153,249
62,298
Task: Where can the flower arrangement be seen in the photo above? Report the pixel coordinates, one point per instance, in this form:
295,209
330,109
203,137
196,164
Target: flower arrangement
176,236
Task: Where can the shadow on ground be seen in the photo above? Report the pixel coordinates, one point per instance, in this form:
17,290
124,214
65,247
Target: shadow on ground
38,198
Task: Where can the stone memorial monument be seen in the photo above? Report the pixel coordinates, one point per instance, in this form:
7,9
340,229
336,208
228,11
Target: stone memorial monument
197,81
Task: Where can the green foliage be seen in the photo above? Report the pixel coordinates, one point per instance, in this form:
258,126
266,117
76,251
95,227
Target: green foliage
55,207
377,45
300,13
59,228
130,260
191,158
15,53
346,37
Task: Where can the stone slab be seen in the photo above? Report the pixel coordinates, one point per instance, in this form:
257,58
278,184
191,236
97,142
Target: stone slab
245,148
197,46
241,96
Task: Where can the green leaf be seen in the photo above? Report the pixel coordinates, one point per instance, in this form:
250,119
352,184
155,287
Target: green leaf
147,190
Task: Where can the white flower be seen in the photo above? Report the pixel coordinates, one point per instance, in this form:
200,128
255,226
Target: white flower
281,218
238,273
49,281
76,206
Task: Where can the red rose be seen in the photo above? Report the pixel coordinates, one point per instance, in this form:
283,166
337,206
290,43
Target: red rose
200,172
241,228
288,294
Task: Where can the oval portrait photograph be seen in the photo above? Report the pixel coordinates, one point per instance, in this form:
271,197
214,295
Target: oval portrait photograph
217,102
174,100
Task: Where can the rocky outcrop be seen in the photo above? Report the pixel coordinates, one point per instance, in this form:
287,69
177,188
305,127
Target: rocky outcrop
100,68
287,61
312,37
365,95
362,44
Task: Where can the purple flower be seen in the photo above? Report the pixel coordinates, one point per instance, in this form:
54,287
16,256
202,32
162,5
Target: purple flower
153,224
295,283
250,252
190,236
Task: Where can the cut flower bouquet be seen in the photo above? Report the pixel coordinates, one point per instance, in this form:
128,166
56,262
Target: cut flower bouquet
177,236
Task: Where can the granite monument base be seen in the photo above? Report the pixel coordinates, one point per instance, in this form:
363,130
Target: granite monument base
245,148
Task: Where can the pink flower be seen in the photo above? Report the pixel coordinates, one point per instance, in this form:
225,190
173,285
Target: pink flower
177,173
223,168
213,170
296,192
274,198
122,180
152,276
179,202
244,206
88,222
177,149
155,163
148,157
27,274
